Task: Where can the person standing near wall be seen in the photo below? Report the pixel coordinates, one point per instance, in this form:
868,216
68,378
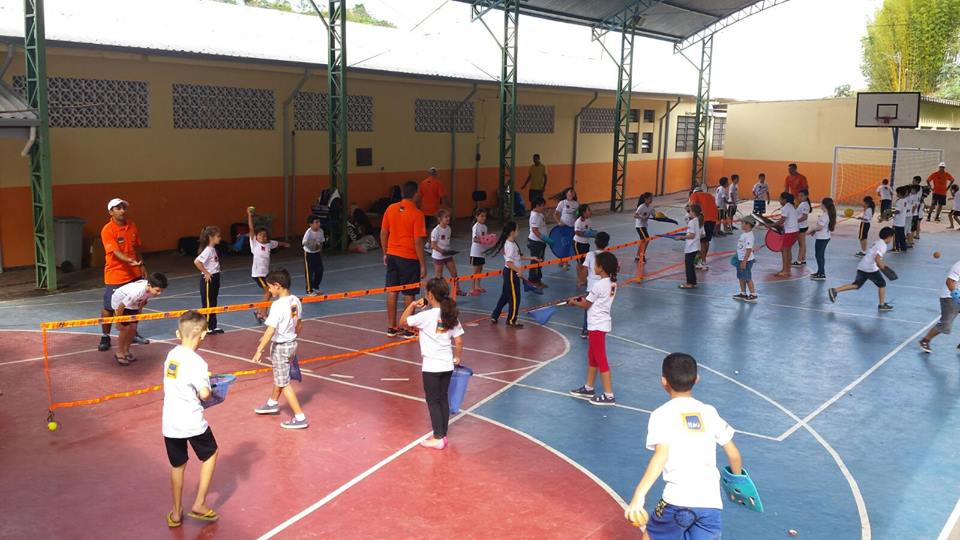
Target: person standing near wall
401,235
537,178
432,198
795,182
122,262
939,181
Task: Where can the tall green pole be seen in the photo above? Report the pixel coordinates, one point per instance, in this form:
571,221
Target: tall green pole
702,125
508,107
41,188
337,107
624,89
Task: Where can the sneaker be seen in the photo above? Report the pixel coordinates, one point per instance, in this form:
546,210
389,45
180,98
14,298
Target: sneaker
799,263
104,343
861,254
393,332
925,345
582,392
740,296
266,408
140,340
440,444
832,293
493,321
750,298
818,277
408,333
702,267
214,332
583,334
515,325
885,307
602,399
293,423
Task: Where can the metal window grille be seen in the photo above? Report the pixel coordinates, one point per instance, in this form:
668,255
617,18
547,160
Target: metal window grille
719,133
95,103
686,127
433,116
310,112
598,120
200,106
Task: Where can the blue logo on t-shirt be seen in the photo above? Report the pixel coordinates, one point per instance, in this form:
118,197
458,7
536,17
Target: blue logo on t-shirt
693,422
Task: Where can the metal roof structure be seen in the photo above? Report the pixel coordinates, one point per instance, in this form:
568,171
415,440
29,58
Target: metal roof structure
681,22
14,111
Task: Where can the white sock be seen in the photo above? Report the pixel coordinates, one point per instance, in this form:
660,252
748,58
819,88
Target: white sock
608,394
588,388
271,402
300,417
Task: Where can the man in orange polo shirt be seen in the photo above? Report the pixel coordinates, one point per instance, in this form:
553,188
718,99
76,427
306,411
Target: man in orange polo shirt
401,235
795,182
432,198
939,182
708,205
122,261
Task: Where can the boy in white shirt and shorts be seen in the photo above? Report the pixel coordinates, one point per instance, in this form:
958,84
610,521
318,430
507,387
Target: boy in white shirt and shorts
949,300
869,268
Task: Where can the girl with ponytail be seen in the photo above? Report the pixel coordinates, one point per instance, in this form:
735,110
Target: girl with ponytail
510,294
441,344
598,304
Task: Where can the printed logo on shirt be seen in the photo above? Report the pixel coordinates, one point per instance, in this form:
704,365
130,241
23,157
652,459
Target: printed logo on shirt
293,312
692,421
120,240
613,290
172,369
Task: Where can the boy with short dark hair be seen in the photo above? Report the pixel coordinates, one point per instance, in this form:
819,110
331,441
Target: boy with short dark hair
761,195
870,268
283,325
683,433
312,244
746,248
537,239
129,300
261,246
885,194
185,384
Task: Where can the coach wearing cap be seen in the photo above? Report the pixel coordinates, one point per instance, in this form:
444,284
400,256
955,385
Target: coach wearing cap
940,181
122,261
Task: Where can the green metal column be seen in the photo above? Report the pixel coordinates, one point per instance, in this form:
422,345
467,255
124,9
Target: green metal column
702,126
508,106
337,106
618,184
41,187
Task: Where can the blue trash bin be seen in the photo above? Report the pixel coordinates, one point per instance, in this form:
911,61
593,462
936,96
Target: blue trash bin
458,387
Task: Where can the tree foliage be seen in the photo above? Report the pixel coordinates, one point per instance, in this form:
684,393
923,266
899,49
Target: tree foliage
908,44
844,90
357,13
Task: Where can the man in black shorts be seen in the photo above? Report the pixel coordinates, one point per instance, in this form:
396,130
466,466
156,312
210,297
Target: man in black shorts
402,232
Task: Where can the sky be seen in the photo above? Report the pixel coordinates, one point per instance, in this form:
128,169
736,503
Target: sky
802,49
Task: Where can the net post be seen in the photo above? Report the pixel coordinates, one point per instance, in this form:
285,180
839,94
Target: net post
893,161
833,174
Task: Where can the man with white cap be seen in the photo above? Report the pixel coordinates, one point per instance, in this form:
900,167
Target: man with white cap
122,261
940,181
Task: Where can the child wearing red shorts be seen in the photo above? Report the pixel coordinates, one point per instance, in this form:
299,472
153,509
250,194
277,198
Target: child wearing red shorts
789,220
598,304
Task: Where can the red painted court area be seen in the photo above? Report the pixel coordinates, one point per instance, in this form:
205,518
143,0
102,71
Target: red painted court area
357,472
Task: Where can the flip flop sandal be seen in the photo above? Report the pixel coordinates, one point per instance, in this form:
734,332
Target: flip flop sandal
210,515
131,358
173,524
121,359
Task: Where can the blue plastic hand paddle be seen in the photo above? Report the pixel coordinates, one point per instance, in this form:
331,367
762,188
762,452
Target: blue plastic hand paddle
741,489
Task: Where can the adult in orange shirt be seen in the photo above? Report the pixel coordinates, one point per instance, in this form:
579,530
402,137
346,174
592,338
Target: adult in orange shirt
795,182
432,197
122,261
708,206
401,235
939,181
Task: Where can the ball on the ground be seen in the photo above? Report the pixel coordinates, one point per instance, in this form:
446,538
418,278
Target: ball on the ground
848,212
936,254
792,532
52,426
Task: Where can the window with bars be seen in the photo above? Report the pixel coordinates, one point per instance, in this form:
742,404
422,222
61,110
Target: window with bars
310,112
649,115
634,115
719,133
200,106
433,116
94,103
598,120
535,118
632,139
686,128
646,142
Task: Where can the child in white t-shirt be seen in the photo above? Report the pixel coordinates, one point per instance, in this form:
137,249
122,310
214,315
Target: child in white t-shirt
691,245
885,194
208,262
865,217
260,247
949,300
129,300
821,232
441,253
537,242
803,213
512,259
683,434
284,322
477,260
185,384
901,211
641,216
441,344
599,304
312,243
581,240
955,211
566,213
745,259
869,268
721,199
790,221
590,263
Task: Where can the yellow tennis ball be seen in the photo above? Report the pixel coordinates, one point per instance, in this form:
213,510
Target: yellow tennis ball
848,212
644,518
52,426
251,209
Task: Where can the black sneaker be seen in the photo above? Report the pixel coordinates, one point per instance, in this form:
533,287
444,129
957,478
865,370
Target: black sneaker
832,293
861,254
258,318
799,263
515,325
750,298
582,392
583,334
493,321
215,332
885,307
393,332
925,345
407,333
602,399
140,340
740,296
818,277
104,343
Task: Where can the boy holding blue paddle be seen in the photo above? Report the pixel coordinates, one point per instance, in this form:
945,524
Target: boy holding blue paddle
682,434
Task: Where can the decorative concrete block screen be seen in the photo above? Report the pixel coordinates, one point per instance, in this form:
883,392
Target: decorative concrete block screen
535,118
200,106
310,112
94,103
433,116
598,120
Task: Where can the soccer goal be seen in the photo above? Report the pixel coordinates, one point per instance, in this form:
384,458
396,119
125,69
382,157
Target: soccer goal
858,170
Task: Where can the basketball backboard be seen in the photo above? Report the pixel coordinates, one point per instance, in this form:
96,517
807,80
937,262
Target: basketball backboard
888,109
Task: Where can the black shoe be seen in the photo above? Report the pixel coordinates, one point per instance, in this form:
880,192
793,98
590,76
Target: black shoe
515,325
925,345
406,333
885,307
493,321
104,343
215,332
818,277
832,293
140,340
582,392
393,332
750,298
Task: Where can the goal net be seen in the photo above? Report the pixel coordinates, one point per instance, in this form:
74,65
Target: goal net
858,170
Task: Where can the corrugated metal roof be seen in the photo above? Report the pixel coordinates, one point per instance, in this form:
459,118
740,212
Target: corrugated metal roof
197,27
14,111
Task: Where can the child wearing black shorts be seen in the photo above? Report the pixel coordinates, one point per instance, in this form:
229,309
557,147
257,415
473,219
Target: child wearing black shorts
870,269
477,260
868,208
185,384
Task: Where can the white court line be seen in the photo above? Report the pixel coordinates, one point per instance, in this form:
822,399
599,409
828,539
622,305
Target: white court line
524,368
836,397
951,523
392,379
586,472
36,358
329,497
339,376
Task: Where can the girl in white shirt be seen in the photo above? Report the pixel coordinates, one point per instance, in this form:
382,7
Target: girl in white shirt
512,257
566,213
581,242
208,262
789,220
599,304
441,344
477,259
803,212
865,217
640,217
441,253
820,232
691,245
